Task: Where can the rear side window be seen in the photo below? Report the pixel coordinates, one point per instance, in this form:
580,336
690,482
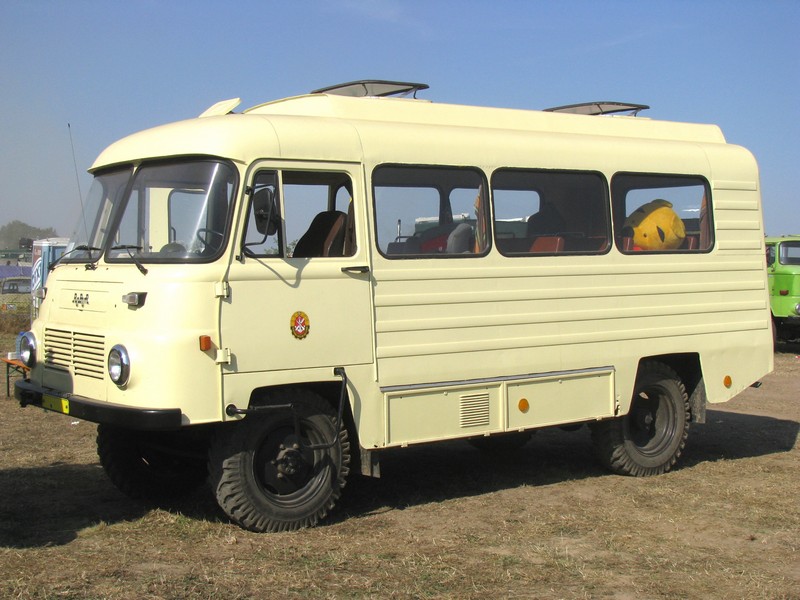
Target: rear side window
550,212
431,212
661,213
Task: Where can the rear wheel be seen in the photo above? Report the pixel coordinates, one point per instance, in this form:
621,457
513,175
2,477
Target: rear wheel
264,473
651,437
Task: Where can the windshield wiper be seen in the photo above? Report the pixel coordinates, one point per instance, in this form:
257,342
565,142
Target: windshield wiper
81,248
135,260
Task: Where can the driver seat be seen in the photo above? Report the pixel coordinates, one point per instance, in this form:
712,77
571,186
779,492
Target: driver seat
324,237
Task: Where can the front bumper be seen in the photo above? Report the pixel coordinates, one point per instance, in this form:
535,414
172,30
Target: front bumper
151,419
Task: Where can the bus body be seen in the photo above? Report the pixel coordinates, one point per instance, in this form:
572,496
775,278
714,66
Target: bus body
783,269
253,291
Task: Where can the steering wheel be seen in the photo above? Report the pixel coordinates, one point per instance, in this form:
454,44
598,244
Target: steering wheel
207,236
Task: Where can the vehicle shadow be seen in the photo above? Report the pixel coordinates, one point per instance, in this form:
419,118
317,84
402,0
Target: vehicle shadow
434,473
43,506
50,505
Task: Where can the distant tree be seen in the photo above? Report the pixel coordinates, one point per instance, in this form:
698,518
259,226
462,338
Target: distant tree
12,233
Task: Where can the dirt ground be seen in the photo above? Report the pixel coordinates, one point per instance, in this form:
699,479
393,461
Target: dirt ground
444,521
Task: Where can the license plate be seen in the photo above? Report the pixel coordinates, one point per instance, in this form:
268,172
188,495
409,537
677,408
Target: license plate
55,403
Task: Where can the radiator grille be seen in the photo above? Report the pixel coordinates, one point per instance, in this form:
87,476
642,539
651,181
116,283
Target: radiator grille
475,410
81,353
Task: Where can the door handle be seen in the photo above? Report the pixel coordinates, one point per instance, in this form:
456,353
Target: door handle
358,269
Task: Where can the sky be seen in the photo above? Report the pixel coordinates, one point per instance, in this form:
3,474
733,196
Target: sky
80,74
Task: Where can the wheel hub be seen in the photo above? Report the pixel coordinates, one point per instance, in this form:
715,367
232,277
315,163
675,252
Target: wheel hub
289,460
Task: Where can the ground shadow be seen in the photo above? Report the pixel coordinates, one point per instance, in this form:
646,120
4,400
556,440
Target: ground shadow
732,436
438,472
50,505
44,506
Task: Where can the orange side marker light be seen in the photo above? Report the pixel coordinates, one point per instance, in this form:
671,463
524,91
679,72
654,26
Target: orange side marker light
205,343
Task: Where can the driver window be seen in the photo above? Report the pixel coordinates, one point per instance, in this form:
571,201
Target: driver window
301,214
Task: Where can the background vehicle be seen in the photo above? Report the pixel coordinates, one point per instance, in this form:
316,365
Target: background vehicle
16,285
783,269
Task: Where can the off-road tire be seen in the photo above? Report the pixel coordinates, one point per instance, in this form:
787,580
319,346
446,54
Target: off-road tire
651,437
248,464
148,466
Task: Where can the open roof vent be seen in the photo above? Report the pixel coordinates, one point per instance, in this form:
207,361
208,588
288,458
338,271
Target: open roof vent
373,87
600,108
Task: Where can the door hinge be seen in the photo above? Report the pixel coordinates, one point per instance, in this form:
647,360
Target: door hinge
223,356
222,289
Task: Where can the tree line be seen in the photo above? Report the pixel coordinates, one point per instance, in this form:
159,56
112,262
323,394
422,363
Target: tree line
17,234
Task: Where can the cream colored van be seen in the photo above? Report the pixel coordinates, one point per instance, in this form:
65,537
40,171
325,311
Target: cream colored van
273,297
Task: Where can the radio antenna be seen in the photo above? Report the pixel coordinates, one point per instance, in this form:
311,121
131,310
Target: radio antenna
78,182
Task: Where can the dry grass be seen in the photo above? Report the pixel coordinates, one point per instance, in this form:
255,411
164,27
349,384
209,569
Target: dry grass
443,522
15,315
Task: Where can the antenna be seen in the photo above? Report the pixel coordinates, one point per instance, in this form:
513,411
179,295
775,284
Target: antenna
78,182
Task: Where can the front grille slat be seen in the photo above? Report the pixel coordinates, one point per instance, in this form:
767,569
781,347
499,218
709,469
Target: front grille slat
81,353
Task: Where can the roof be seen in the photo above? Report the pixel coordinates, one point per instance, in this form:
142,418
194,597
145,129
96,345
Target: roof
783,238
337,118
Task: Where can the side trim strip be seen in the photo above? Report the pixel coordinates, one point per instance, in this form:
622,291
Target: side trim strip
469,382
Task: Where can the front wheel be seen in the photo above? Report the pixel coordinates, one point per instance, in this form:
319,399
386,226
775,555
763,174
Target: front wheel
264,472
651,437
152,466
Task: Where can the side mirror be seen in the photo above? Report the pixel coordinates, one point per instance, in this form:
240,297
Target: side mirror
265,211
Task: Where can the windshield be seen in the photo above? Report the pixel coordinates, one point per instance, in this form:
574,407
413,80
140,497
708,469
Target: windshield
170,212
790,253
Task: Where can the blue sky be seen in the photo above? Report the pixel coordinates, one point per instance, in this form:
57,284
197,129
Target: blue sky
112,68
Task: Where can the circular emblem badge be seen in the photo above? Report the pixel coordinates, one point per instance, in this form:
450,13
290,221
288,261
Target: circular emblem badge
300,325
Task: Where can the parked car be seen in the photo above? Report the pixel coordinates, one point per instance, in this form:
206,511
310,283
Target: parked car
16,285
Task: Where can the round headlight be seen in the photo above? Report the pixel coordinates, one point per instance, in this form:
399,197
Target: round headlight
119,365
797,309
27,349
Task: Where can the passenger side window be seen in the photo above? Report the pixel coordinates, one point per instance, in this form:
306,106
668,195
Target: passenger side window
430,211
661,213
308,214
550,212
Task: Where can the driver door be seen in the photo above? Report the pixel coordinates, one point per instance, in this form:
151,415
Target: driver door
300,292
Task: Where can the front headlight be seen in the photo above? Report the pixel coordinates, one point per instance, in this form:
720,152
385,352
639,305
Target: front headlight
119,365
27,349
797,309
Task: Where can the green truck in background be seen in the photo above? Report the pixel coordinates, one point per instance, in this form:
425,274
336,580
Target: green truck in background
783,268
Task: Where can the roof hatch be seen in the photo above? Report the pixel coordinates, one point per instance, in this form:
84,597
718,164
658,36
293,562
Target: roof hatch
599,108
373,87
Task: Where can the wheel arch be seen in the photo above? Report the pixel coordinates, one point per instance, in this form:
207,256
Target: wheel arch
689,369
328,391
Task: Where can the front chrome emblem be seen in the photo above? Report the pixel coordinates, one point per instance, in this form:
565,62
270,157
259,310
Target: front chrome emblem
80,300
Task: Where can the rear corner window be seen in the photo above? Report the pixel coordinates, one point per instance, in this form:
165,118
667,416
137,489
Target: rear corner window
662,213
